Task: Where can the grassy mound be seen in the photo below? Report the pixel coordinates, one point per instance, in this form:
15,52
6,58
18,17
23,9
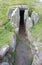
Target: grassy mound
5,27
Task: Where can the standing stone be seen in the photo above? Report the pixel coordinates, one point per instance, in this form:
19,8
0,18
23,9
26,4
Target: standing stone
25,15
13,42
15,18
9,13
28,23
30,37
34,17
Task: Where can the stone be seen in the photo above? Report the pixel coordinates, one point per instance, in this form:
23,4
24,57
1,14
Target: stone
9,13
37,60
16,30
35,50
38,54
25,15
38,44
30,37
4,50
28,23
14,14
34,17
24,7
13,42
5,63
15,18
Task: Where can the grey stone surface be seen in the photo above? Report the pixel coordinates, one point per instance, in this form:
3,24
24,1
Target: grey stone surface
11,9
38,44
4,50
16,30
25,15
37,60
9,12
37,53
13,42
35,50
15,18
34,17
29,23
24,7
30,37
5,63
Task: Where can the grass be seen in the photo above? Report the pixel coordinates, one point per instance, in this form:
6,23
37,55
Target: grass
4,5
6,29
5,37
37,31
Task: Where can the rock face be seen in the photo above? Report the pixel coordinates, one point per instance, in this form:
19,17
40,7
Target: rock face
6,55
25,15
22,6
37,60
13,42
16,30
15,18
14,14
30,37
36,45
9,13
28,23
5,63
4,50
37,53
34,17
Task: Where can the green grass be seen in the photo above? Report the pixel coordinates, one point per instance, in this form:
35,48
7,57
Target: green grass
4,5
5,37
6,29
36,31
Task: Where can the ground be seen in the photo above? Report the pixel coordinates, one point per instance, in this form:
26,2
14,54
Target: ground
6,29
24,55
23,51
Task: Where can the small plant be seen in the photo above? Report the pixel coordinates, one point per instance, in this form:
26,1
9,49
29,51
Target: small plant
30,11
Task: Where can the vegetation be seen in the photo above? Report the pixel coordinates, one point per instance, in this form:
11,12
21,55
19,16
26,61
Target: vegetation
37,31
6,29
